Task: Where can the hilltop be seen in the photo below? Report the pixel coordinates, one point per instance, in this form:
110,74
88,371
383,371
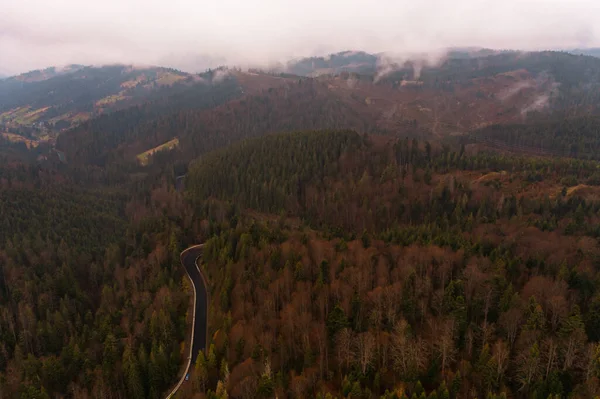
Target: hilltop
363,62
594,52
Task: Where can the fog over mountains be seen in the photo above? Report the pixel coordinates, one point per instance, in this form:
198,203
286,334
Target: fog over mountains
193,36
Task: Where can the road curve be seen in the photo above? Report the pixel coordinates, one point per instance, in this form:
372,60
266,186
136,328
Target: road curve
189,259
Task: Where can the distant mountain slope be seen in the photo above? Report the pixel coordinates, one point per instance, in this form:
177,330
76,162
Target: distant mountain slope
39,75
457,97
566,69
569,137
465,94
593,52
61,98
304,105
370,63
469,89
347,61
92,141
457,65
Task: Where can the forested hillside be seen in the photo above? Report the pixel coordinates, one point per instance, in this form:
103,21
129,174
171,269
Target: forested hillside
568,137
93,141
346,61
91,297
60,98
339,265
426,270
303,105
271,173
458,96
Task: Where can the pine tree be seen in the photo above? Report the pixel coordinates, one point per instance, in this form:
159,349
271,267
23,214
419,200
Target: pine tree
201,371
132,375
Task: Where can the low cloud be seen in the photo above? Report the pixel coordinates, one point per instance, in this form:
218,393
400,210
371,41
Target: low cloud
539,103
195,35
515,89
219,75
389,62
542,100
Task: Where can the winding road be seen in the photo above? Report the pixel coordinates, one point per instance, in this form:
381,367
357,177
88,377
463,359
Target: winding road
189,259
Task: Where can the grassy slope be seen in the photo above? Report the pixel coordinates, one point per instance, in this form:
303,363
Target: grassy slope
144,157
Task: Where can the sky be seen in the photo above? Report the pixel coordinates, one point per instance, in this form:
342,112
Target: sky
195,34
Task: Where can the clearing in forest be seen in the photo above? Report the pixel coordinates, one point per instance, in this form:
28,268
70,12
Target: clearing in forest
145,156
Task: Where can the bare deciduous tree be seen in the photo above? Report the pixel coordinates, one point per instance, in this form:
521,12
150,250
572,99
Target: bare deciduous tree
511,321
409,354
500,356
444,332
344,347
365,349
528,366
572,348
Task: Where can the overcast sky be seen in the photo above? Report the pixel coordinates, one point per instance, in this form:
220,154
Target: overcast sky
193,34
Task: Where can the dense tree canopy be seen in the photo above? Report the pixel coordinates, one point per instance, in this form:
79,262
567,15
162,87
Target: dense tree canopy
569,137
432,270
91,299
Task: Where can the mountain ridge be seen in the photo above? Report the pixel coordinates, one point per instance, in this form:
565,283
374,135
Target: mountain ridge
145,108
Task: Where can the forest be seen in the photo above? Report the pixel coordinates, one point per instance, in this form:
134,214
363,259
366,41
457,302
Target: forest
61,98
92,141
421,274
303,105
91,296
420,269
345,258
571,137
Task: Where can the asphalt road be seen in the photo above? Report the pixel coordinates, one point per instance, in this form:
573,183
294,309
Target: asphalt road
188,260
179,183
200,319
